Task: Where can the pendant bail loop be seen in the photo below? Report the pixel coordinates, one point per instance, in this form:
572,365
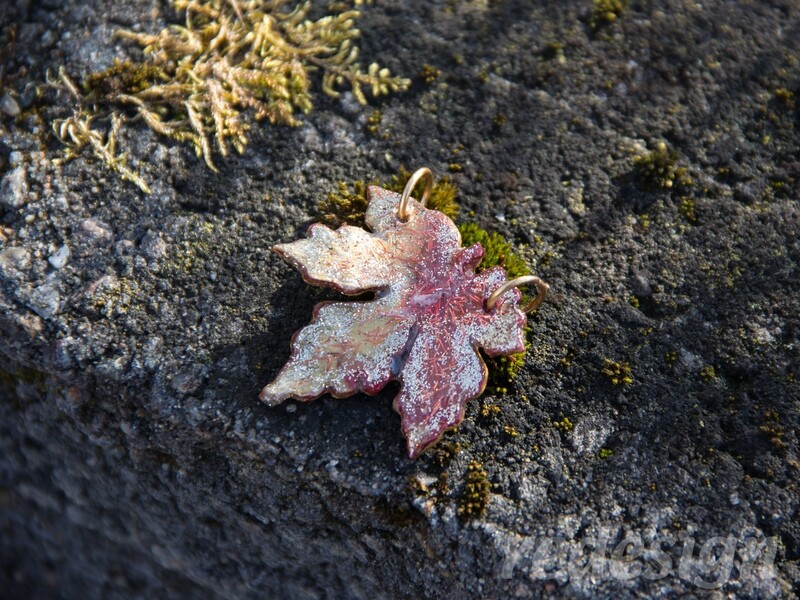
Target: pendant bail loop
541,292
402,208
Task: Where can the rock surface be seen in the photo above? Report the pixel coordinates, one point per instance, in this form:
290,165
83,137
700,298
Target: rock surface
136,460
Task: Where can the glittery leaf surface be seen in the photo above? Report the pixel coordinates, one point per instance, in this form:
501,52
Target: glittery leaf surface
423,327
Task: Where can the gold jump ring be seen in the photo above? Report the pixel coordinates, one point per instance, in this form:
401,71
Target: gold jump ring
541,292
402,209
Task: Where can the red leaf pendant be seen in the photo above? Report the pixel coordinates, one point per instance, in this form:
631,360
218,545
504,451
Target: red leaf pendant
430,314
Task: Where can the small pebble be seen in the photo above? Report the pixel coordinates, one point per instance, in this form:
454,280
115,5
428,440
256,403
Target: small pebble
48,38
15,258
45,301
14,188
60,257
9,106
97,231
15,158
152,246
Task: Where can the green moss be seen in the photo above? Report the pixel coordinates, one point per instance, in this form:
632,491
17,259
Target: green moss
374,122
708,373
605,453
786,97
499,120
510,431
618,373
633,301
123,77
442,197
345,206
780,188
504,369
658,170
429,73
455,168
78,133
564,425
498,251
772,427
472,503
488,410
687,209
606,11
444,452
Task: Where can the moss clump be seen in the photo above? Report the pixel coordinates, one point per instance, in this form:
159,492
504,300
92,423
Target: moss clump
772,427
444,452
498,251
504,369
658,170
488,410
123,77
564,425
202,81
786,97
618,373
350,207
477,487
429,73
77,133
708,373
687,209
606,11
605,453
442,197
374,122
345,206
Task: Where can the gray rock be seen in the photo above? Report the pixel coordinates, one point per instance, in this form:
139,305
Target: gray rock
9,105
96,232
137,461
152,246
14,258
15,158
60,257
45,301
14,188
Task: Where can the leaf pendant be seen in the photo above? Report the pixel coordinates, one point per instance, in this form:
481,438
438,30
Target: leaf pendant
424,327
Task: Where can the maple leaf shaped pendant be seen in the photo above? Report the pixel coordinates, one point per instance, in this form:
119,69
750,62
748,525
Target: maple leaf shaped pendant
430,315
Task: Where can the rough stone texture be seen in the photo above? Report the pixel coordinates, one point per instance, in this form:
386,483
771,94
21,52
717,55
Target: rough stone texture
136,460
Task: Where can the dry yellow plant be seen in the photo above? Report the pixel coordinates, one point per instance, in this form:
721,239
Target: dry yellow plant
201,82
